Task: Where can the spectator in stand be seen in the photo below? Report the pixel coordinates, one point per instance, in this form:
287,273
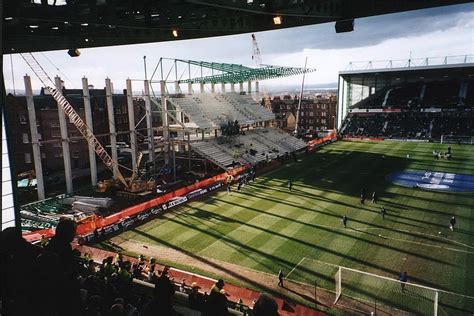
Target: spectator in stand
17,259
265,306
217,300
162,303
57,271
196,299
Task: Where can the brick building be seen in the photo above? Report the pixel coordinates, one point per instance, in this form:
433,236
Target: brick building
316,114
47,122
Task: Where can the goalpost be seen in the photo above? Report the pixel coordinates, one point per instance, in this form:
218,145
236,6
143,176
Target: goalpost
368,287
450,139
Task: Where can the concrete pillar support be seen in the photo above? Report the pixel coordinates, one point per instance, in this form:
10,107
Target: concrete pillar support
149,123
190,88
89,122
112,131
64,140
166,134
131,122
34,139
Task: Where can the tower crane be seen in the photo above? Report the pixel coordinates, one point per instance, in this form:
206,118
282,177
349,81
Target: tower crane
129,184
257,58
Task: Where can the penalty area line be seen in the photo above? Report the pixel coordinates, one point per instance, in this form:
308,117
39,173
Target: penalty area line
302,259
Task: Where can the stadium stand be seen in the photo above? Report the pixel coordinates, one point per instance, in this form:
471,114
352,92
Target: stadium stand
210,110
414,125
440,93
253,146
401,96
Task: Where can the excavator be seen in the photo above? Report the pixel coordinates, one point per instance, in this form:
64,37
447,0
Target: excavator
130,185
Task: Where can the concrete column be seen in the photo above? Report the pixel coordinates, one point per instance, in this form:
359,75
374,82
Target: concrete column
232,86
177,88
88,112
189,152
213,87
190,88
149,123
166,134
257,86
34,138
223,87
241,86
112,131
64,140
131,122
249,87
201,87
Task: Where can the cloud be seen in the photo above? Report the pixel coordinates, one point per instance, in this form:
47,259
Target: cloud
434,32
367,31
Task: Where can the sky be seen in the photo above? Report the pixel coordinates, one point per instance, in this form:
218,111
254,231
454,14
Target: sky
437,32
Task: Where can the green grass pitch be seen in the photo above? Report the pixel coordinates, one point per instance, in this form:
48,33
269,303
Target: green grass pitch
266,227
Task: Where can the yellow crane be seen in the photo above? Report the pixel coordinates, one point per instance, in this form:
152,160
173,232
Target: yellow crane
257,58
131,184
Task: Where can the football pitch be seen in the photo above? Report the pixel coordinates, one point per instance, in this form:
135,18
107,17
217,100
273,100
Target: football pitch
266,227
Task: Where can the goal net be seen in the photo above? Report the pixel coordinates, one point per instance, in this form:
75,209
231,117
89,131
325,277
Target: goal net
382,291
450,139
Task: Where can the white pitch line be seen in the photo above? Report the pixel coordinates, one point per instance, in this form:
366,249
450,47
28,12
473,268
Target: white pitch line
428,245
418,233
286,277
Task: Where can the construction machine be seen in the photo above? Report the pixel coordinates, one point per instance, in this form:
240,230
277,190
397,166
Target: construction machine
131,184
257,58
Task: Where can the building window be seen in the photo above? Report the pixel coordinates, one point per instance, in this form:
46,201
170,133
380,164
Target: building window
54,124
311,114
40,136
75,154
43,155
323,106
57,145
323,114
323,121
25,138
27,158
23,119
302,114
58,154
55,134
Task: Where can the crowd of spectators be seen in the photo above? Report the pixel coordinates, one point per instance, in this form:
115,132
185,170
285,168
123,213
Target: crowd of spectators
413,125
412,95
53,280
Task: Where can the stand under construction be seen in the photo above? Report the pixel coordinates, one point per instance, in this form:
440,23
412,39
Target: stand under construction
178,125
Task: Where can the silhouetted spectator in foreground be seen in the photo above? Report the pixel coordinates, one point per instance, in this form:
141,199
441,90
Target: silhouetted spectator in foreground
17,258
57,273
217,300
265,306
60,244
196,299
162,303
